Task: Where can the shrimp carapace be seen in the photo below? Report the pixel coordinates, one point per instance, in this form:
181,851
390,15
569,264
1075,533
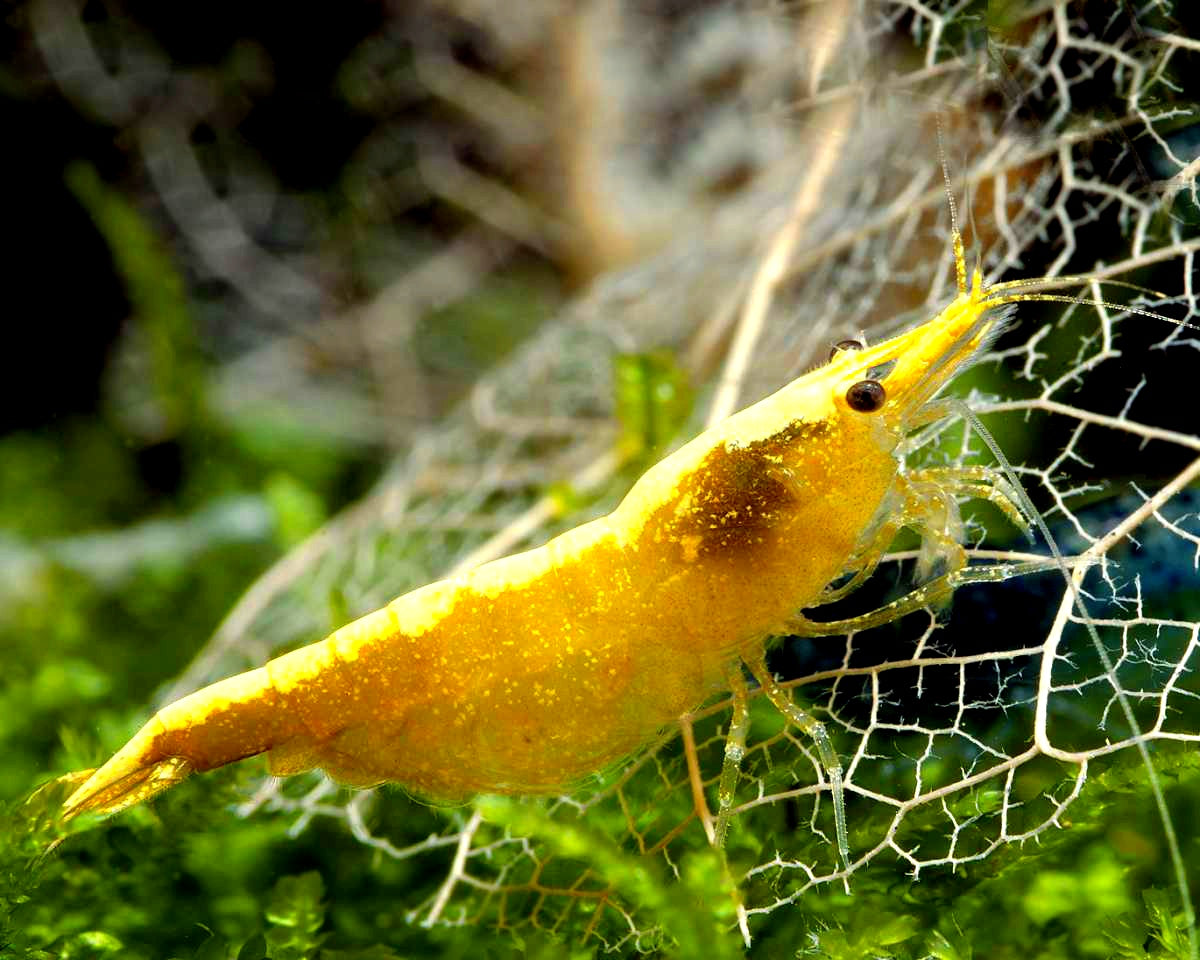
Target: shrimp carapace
526,674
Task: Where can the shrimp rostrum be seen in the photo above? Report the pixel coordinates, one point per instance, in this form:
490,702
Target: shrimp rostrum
528,673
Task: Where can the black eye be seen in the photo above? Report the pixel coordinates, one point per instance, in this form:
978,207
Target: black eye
866,396
843,345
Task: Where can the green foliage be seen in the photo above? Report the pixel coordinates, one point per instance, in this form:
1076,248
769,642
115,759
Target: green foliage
1163,934
298,509
296,914
653,400
157,294
689,931
1073,895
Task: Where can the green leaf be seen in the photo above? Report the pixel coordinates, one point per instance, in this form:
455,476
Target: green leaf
171,393
1098,888
298,510
653,399
91,946
296,913
1168,925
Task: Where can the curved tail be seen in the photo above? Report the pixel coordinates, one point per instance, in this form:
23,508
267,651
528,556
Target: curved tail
227,721
128,778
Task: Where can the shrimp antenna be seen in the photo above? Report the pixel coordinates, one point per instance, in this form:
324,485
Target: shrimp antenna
1067,280
1083,301
960,260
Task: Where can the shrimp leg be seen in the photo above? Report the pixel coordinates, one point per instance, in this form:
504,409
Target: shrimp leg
809,725
735,750
978,482
926,508
930,594
933,593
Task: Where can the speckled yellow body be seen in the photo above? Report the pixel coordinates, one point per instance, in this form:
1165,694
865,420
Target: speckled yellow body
526,674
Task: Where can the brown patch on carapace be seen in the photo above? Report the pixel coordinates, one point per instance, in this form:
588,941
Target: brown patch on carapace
737,493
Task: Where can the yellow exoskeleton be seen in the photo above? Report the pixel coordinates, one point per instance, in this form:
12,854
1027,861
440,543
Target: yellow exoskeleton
526,674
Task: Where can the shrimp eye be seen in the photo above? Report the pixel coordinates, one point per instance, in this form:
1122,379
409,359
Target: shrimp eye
843,345
866,396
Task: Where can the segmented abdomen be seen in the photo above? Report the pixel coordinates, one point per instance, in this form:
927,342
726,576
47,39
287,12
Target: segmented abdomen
521,676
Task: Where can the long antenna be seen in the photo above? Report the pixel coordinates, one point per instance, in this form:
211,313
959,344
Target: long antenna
960,259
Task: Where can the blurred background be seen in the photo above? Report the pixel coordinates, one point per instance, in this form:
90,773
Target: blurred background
310,307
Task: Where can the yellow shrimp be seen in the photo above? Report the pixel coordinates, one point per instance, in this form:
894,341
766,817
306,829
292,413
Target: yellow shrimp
527,674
